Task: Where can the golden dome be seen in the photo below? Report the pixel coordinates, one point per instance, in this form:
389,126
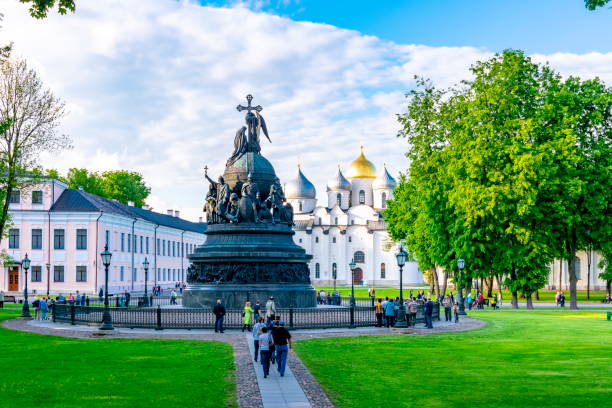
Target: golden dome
361,168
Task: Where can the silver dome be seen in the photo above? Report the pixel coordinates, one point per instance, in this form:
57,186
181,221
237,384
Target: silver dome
338,182
384,181
300,187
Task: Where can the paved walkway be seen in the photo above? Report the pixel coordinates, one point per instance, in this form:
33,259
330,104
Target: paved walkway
277,391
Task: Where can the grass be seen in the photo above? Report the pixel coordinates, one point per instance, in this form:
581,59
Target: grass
545,295
530,359
54,371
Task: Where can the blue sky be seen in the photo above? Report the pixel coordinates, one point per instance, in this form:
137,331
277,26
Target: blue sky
152,85
536,26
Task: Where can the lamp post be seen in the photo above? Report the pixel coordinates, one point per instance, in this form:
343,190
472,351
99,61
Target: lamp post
401,257
461,265
48,278
25,310
145,265
334,274
107,323
352,265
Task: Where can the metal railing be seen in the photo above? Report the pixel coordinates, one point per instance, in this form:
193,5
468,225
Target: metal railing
186,318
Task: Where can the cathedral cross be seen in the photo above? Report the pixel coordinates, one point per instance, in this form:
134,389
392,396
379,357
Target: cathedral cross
249,108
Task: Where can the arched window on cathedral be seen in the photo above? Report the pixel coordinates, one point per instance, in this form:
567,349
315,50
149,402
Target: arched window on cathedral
316,240
300,205
383,270
359,257
334,271
334,240
336,220
361,197
350,239
339,199
383,197
317,271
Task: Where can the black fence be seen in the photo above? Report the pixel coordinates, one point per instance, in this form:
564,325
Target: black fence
185,318
122,301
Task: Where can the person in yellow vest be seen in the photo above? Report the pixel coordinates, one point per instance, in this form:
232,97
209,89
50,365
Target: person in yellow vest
378,310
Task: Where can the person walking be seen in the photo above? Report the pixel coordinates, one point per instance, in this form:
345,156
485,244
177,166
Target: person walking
127,298
448,304
257,327
257,311
378,311
101,295
282,344
456,311
44,308
173,297
468,300
36,305
219,311
265,343
389,312
428,313
480,301
270,310
1,299
247,317
412,312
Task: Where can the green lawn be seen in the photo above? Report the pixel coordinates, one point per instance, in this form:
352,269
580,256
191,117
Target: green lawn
530,359
545,295
50,371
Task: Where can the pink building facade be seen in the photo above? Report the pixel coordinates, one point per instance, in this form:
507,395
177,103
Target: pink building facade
63,232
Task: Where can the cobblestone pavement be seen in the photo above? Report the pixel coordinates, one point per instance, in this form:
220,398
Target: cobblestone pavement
247,387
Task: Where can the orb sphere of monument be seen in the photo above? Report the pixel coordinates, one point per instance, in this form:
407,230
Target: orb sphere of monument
251,163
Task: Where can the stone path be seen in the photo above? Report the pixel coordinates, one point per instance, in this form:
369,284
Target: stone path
297,389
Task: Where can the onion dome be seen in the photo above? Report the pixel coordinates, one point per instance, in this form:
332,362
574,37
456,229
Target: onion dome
300,187
384,181
361,168
338,182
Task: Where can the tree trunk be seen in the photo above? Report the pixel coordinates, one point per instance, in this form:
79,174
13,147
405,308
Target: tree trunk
514,294
560,274
571,270
436,282
5,205
608,286
444,284
490,286
529,302
431,282
537,295
589,255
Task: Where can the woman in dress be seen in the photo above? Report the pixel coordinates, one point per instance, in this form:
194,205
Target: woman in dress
247,317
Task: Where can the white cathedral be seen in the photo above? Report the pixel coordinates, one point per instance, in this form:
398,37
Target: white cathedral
349,228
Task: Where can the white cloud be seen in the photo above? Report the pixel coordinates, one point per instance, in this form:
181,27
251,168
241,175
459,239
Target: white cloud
151,86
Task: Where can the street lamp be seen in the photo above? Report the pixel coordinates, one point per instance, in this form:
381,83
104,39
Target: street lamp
145,265
401,257
48,278
461,265
352,265
107,323
334,274
25,310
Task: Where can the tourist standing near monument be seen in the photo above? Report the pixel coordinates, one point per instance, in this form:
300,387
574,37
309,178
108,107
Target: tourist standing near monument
448,304
389,307
265,344
412,312
257,311
270,310
247,317
219,311
282,344
428,313
378,310
257,330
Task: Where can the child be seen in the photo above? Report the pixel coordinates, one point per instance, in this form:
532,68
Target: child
456,312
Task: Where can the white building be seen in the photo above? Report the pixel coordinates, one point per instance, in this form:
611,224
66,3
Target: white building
63,232
349,227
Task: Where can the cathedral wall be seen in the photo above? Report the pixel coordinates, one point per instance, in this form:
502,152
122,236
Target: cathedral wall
358,184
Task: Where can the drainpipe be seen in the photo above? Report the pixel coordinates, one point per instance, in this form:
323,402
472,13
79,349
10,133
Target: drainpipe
96,254
49,234
182,255
155,253
132,244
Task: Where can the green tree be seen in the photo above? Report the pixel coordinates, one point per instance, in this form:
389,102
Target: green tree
593,4
89,181
40,8
126,186
33,114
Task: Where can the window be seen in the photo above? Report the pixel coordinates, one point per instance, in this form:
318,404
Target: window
339,199
173,248
81,273
106,239
158,274
334,240
361,197
122,242
164,247
15,197
383,198
169,255
316,240
14,238
36,239
81,239
37,197
134,274
300,206
135,243
164,274
359,257
300,240
129,242
173,274
383,271
352,222
336,220
334,271
121,273
158,247
317,271
147,245
58,240
182,249
350,239
141,246
58,273
36,273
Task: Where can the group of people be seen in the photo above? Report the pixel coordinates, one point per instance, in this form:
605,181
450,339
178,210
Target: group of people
334,299
251,314
271,341
560,299
41,308
387,311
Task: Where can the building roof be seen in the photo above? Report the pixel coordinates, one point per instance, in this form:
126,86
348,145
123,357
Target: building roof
300,187
77,200
384,181
361,168
338,182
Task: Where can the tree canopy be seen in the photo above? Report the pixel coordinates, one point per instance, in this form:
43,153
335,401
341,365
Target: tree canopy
509,170
593,4
40,8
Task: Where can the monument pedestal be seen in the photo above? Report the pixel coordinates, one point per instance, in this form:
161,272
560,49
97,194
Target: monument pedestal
234,296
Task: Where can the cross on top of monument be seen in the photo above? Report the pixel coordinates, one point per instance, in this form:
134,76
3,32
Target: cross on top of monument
249,108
